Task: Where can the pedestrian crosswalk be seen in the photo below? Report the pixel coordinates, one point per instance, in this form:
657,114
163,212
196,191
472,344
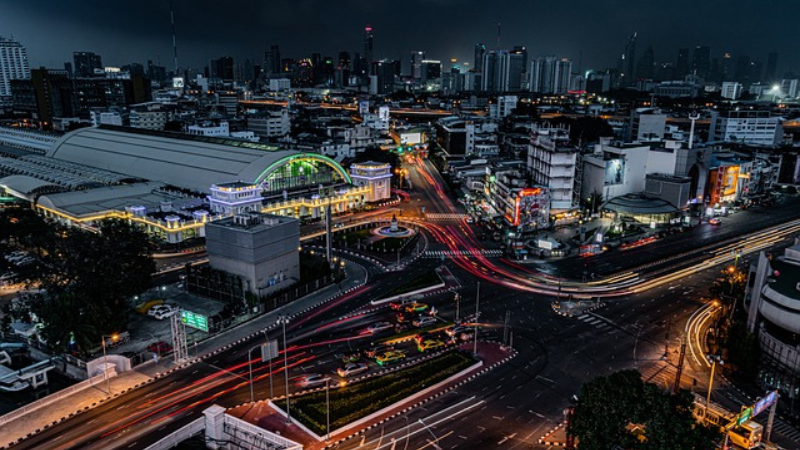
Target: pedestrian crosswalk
785,430
595,322
445,216
451,254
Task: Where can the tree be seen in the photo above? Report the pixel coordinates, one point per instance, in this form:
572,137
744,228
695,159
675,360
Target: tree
607,405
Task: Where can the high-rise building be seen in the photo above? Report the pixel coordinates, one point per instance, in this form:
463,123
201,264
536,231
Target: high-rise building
13,66
416,64
521,50
430,69
86,63
701,61
368,44
480,50
272,61
726,67
742,72
344,61
629,58
511,69
382,78
222,68
770,75
489,81
549,75
682,65
646,65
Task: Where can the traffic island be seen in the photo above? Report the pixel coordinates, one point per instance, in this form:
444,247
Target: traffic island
358,407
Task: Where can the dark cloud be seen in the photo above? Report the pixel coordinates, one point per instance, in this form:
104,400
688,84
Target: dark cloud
594,31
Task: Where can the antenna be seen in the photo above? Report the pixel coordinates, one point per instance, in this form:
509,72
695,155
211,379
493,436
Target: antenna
174,41
498,35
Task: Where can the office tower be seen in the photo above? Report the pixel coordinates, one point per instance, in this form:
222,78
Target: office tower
368,44
222,68
549,75
562,76
13,66
489,81
382,78
701,61
480,50
86,63
416,64
272,61
772,67
742,72
510,70
521,50
629,57
644,70
344,60
430,69
682,65
726,67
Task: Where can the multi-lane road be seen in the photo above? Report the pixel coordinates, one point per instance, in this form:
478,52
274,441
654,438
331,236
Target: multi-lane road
647,309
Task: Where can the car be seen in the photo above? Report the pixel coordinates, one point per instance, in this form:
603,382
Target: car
160,347
423,337
455,331
377,350
398,305
417,307
350,357
402,317
714,221
430,344
163,314
424,321
350,369
380,326
312,379
387,358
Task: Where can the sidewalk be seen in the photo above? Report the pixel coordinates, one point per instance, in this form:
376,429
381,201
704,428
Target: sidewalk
80,401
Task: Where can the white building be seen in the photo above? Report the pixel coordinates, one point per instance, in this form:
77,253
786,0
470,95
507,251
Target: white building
13,66
552,163
149,120
503,107
747,127
614,171
280,84
209,129
379,121
731,90
646,125
378,176
101,117
790,88
269,124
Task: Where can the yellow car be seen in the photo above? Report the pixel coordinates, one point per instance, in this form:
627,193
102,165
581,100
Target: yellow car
417,307
431,344
390,357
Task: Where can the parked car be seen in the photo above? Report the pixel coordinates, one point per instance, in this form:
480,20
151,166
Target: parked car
351,369
159,347
380,326
390,358
312,379
430,344
424,321
714,221
161,312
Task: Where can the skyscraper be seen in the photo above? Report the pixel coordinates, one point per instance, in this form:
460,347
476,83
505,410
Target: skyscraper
682,65
701,61
368,44
86,63
489,66
549,75
13,66
480,50
644,69
770,74
629,58
272,61
511,66
416,64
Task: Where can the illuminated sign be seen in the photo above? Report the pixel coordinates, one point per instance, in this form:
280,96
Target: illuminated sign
614,172
194,320
765,403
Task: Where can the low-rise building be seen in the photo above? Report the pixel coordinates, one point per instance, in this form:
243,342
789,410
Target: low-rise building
746,127
270,123
263,249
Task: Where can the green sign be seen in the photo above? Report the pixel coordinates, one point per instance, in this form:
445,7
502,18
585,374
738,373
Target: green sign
744,416
194,320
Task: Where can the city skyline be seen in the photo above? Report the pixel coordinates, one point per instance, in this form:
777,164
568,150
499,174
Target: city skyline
124,34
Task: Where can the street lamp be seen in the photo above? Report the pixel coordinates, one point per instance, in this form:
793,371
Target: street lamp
327,409
114,337
714,359
283,320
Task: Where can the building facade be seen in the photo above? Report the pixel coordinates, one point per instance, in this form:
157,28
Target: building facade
13,66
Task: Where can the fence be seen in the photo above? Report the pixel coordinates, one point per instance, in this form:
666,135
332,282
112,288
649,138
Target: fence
189,430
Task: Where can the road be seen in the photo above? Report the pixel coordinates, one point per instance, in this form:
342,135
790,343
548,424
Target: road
508,408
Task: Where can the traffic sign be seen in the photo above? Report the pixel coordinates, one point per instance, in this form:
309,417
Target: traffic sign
269,351
194,320
744,416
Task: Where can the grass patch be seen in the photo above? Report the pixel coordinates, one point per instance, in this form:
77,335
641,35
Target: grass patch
353,402
429,279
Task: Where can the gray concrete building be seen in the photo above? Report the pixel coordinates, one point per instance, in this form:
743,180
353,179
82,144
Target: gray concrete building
260,248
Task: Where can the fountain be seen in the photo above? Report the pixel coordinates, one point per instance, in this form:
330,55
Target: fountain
394,230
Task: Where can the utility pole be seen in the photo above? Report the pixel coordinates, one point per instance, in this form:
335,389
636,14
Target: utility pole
680,366
771,421
328,235
477,314
505,326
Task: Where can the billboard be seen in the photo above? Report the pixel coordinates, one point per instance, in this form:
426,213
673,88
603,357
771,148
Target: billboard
194,320
730,179
614,172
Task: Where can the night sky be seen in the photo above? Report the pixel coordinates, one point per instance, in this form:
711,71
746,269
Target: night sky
133,31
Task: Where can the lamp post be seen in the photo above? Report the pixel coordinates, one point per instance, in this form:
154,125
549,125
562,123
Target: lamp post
327,409
283,320
114,338
714,359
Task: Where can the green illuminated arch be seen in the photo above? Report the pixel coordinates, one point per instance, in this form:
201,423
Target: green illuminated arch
304,156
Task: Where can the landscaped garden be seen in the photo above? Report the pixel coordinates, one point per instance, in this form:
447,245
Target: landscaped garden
349,403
